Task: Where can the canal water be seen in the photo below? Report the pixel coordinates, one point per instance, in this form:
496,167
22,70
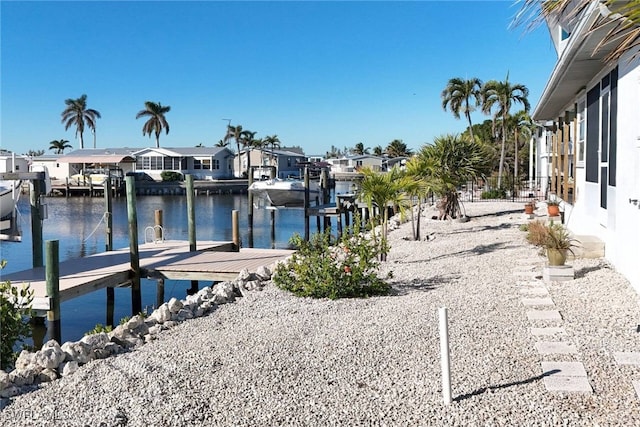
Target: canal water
78,224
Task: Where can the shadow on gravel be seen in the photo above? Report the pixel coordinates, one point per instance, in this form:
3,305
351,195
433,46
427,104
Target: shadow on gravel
428,284
503,226
582,272
511,384
478,250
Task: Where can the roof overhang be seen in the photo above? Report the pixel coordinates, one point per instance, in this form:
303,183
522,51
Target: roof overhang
98,159
578,64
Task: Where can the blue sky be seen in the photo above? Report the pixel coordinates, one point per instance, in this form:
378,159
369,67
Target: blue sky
316,74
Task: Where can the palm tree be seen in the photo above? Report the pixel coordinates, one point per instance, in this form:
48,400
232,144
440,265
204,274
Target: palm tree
248,140
457,94
79,115
397,148
378,150
523,128
360,149
157,121
624,35
235,132
221,143
418,187
502,95
273,142
381,190
451,161
59,145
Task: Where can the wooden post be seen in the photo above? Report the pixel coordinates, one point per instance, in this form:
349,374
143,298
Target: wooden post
38,331
52,275
36,224
108,207
191,215
159,292
67,187
110,305
159,232
250,207
565,161
306,204
273,229
235,230
134,254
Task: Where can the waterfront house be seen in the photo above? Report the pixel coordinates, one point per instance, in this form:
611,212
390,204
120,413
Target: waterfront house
589,114
286,160
11,162
204,163
351,164
102,159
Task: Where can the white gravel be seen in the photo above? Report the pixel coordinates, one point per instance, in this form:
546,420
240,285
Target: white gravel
274,359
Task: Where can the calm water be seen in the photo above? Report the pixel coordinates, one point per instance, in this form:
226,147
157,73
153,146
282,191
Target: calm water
77,224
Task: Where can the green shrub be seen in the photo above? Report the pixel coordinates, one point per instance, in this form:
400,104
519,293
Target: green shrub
524,227
494,193
170,176
14,327
99,328
321,270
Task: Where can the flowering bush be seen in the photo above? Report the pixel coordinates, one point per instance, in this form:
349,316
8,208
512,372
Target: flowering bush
14,327
345,269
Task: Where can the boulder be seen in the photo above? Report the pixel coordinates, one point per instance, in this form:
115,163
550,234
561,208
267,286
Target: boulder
184,314
10,391
244,275
25,359
49,356
174,305
4,380
47,375
24,376
79,352
96,341
68,368
263,273
134,322
161,314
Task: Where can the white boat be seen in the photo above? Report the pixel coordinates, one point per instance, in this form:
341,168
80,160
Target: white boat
9,192
283,192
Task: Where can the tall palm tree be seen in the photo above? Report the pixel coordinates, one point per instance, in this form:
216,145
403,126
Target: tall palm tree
502,95
397,148
157,121
221,143
457,96
360,149
523,127
273,142
624,35
59,145
79,115
378,150
235,133
249,141
418,187
451,161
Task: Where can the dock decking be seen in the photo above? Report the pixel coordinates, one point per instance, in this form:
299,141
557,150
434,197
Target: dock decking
168,259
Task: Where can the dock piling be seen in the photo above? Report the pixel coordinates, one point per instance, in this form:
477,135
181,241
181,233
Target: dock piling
52,275
108,207
158,225
36,223
132,216
235,230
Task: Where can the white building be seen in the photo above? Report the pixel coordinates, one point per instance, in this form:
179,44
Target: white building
592,119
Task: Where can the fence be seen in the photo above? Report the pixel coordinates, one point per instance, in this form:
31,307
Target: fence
510,190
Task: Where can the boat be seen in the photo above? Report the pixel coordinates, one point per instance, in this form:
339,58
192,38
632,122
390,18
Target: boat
9,191
287,193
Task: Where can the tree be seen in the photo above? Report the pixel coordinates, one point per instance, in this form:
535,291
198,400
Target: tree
502,95
235,133
523,127
381,190
59,145
451,161
457,95
397,148
15,307
360,149
79,115
418,186
34,153
623,36
273,142
249,141
378,150
222,143
157,121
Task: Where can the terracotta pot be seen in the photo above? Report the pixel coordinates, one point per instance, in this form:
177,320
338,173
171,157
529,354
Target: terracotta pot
528,208
553,210
556,256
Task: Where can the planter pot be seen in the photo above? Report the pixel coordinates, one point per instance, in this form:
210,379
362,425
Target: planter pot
528,208
556,256
553,210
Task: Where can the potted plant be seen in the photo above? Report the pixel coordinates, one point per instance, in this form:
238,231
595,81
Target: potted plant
529,207
554,239
553,207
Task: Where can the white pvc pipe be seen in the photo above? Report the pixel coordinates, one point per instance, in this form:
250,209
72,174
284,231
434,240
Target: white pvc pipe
444,356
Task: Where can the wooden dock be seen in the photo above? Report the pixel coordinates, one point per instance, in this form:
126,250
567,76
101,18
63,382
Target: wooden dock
171,260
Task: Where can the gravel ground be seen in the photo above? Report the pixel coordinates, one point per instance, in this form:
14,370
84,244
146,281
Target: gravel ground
274,359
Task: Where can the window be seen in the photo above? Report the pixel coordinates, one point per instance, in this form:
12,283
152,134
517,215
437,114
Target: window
204,164
216,164
582,105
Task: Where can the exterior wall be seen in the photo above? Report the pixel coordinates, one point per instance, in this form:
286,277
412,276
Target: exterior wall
57,170
9,163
